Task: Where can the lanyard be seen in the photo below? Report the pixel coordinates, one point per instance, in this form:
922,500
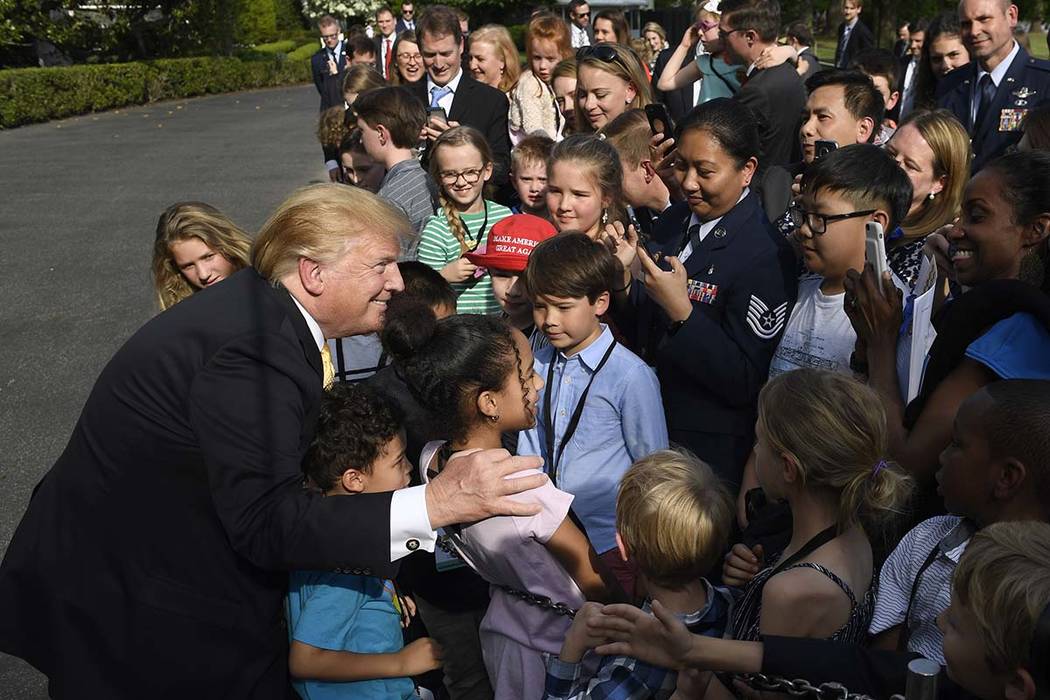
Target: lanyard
548,420
481,231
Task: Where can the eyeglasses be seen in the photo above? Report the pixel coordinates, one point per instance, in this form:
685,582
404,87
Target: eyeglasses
407,12
410,57
581,15
723,34
451,177
604,52
818,223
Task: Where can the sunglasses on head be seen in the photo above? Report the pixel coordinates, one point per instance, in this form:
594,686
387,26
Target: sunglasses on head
603,52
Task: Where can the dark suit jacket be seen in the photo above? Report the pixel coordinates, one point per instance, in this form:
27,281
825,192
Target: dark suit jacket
776,96
401,26
679,102
153,558
860,38
1025,86
329,86
484,108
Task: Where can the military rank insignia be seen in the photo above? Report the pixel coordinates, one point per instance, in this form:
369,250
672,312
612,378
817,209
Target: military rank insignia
703,292
764,321
1010,119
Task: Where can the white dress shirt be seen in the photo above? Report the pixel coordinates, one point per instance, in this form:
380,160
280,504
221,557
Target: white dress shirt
997,73
705,228
908,95
409,521
579,36
445,102
383,48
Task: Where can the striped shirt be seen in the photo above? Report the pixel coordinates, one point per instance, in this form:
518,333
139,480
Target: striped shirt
438,247
947,533
411,189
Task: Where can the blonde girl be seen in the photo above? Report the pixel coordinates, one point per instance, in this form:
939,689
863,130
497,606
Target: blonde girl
584,185
821,441
532,102
461,164
196,246
358,79
609,81
494,58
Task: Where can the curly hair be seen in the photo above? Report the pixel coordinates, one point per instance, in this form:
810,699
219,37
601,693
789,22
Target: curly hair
354,428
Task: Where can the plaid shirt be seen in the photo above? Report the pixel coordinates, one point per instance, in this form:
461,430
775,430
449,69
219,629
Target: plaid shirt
627,678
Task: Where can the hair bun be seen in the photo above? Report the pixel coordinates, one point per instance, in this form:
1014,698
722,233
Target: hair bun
410,324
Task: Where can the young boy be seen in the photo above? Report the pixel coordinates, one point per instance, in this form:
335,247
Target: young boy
528,174
645,192
390,120
505,256
997,628
996,468
356,166
345,627
600,409
673,519
841,193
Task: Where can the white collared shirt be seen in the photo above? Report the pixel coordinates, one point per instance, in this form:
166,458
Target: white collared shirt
579,36
445,102
705,228
383,51
409,521
997,73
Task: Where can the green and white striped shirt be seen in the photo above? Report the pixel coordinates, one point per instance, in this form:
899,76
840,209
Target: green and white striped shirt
438,247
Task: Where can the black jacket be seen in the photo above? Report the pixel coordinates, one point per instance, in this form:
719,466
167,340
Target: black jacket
776,96
153,558
860,39
329,86
679,102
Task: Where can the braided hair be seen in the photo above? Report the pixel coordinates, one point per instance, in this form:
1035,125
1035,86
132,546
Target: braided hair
457,136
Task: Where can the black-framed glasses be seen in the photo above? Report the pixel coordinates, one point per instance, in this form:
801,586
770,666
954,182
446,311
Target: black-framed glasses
407,12
451,177
818,223
604,52
724,34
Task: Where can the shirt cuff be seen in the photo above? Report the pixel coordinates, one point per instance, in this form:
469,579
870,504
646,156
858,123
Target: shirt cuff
410,523
562,670
331,165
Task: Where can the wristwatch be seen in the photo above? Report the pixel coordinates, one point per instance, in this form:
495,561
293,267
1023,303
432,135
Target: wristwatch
674,326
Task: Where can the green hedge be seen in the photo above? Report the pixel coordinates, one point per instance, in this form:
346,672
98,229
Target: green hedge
30,95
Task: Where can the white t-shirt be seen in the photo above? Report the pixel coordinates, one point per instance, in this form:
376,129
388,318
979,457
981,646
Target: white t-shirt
818,333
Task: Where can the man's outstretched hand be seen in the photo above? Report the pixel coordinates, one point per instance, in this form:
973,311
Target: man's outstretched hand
473,486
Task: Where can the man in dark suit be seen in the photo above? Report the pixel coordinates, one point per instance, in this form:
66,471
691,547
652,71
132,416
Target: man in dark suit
407,21
775,95
679,101
329,64
854,35
465,100
384,41
992,94
153,559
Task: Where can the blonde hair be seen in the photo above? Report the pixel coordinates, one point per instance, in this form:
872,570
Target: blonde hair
320,222
457,136
673,515
602,164
331,127
627,67
361,77
629,134
497,36
834,429
1003,578
951,159
185,220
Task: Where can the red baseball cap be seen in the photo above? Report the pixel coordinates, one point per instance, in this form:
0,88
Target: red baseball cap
511,242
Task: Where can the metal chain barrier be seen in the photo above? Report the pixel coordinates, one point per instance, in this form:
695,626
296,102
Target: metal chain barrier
801,688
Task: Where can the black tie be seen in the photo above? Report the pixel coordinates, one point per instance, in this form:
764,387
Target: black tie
692,235
985,95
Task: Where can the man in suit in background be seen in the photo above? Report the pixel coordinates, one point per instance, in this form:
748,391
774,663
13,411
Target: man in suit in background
992,94
384,41
909,68
580,24
854,35
330,62
153,559
465,100
407,21
775,95
900,47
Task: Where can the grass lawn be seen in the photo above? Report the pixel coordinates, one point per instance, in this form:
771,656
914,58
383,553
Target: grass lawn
826,46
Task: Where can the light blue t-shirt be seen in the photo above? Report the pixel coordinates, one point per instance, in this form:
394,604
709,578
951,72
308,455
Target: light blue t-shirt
343,612
1018,347
719,78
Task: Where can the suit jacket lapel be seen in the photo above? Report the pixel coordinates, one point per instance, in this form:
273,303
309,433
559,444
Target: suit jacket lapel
461,98
302,331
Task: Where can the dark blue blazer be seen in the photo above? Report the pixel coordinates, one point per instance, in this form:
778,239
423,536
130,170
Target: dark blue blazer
712,368
1026,86
329,86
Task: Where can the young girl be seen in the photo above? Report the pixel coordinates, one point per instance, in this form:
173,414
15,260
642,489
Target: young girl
609,81
584,185
461,164
717,78
821,585
532,103
196,246
477,371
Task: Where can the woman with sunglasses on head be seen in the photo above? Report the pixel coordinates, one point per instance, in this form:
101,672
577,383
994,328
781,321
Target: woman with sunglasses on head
717,78
999,328
609,81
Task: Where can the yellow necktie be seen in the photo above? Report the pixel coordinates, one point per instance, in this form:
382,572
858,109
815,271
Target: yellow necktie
329,368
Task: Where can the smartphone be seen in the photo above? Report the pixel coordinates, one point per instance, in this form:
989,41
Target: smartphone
875,248
437,114
660,121
821,148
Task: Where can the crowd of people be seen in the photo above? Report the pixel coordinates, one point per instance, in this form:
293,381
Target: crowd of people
769,343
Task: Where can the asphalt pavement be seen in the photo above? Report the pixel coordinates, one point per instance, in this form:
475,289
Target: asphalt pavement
79,201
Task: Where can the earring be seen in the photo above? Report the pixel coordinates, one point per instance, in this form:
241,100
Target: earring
932,195
494,419
605,216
